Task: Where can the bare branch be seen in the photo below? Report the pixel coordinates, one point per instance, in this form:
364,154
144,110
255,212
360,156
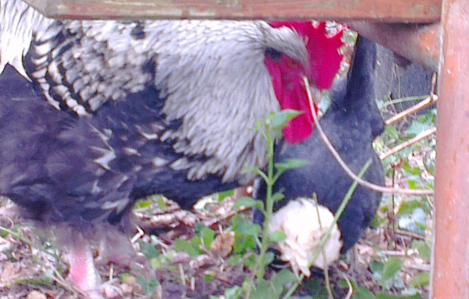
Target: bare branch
428,102
404,145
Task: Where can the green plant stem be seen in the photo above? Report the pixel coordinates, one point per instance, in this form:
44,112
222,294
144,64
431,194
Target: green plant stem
260,268
340,210
324,256
293,288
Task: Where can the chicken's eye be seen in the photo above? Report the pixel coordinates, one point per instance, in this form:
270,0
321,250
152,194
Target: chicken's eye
273,54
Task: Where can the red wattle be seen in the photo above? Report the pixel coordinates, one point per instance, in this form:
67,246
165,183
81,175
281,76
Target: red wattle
287,80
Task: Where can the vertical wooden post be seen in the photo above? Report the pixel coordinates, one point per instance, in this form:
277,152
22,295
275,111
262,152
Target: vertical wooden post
450,278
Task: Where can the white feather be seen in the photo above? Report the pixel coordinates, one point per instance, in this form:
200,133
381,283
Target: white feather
17,22
210,74
299,221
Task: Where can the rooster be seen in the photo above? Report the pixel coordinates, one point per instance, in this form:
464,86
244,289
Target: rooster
352,123
97,114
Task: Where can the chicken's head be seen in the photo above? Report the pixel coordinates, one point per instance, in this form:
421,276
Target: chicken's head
323,64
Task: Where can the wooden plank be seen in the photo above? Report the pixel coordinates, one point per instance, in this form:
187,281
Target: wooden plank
450,275
418,43
414,11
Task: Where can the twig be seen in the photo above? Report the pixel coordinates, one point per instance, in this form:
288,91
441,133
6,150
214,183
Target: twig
349,284
394,253
391,101
326,268
140,233
63,283
412,266
408,143
226,216
182,274
427,102
344,166
409,234
111,272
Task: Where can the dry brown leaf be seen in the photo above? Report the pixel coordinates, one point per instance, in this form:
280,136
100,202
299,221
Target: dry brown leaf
10,273
223,244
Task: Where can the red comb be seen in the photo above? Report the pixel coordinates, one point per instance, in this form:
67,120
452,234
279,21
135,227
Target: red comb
323,50
325,60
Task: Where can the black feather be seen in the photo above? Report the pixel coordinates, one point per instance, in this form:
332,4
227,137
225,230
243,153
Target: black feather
48,157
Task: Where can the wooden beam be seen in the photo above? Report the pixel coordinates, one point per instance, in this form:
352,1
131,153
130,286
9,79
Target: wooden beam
450,275
412,11
418,43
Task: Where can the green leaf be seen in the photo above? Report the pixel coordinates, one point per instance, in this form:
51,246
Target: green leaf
269,258
420,281
148,286
263,290
408,207
316,289
277,196
149,250
423,248
413,185
143,204
376,267
378,221
161,203
389,296
291,164
235,260
247,202
277,236
391,133
186,246
280,120
226,194
417,128
209,278
233,293
422,123
390,271
206,235
249,229
410,170
35,282
246,234
284,278
157,263
251,262
362,293
377,270
4,233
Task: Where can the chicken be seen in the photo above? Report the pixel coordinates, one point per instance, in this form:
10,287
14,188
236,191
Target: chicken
97,114
352,122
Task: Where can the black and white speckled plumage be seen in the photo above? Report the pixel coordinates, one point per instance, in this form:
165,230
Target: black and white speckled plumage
352,123
96,114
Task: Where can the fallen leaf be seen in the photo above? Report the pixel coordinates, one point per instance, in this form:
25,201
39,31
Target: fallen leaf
36,295
223,244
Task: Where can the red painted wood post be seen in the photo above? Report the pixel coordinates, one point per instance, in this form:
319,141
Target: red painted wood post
450,278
